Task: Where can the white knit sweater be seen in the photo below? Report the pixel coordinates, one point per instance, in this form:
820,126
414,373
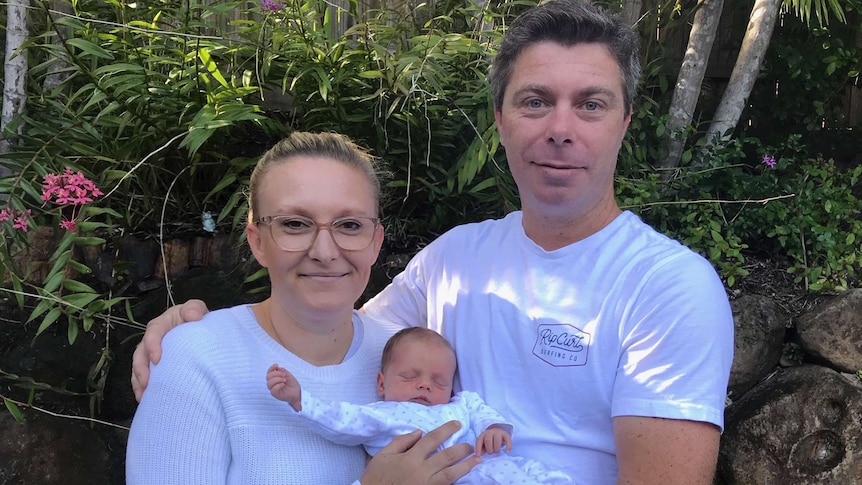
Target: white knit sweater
207,416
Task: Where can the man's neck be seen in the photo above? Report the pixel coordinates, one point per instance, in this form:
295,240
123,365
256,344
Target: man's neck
552,231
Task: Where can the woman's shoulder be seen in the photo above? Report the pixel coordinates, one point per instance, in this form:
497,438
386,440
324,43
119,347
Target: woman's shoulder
217,328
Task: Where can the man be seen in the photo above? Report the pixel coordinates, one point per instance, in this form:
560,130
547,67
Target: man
607,344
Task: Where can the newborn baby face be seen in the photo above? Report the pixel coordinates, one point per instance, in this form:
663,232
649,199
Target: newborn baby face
420,372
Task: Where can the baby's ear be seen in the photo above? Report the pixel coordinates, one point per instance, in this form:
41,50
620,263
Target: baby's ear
380,389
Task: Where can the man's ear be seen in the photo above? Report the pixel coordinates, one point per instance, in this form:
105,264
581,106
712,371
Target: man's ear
501,128
380,388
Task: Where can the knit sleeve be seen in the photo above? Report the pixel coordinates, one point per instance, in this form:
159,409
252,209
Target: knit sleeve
178,435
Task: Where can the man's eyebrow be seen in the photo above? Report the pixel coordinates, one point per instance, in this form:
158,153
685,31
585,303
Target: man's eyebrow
586,92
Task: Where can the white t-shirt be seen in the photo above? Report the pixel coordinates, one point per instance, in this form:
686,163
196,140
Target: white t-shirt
624,322
208,418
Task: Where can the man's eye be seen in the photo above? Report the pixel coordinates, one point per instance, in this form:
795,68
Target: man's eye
591,106
535,103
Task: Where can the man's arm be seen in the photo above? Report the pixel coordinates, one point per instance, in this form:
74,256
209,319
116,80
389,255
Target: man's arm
409,459
665,451
150,348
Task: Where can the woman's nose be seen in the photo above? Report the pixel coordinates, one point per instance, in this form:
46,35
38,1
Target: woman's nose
323,248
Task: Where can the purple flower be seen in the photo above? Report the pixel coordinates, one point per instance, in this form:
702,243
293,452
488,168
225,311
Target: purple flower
769,161
269,6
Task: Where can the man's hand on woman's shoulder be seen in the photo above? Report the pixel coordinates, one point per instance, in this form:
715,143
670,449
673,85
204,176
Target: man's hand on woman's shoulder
150,348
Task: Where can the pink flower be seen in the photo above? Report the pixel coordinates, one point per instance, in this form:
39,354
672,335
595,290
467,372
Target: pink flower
69,225
769,161
21,222
69,188
269,6
19,218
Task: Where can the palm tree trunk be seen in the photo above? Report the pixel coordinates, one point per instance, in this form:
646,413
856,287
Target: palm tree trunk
690,78
761,23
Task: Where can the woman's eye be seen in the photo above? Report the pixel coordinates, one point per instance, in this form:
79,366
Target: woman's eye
295,225
349,225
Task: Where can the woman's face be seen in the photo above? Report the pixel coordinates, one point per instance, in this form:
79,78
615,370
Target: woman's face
324,278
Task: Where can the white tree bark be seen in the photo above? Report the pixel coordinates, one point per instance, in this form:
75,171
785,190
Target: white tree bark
15,87
56,74
688,82
631,11
761,23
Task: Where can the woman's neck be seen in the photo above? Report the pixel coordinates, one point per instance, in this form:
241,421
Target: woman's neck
319,341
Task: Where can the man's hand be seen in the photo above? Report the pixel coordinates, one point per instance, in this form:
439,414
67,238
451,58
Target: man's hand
492,440
409,460
150,348
284,386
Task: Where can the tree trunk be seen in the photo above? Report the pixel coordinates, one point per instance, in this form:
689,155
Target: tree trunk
631,11
687,91
15,87
761,23
56,74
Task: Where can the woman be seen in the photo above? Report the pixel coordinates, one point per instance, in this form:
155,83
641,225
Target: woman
207,416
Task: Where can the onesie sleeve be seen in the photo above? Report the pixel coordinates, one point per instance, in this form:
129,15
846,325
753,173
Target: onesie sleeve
179,433
373,425
480,414
677,345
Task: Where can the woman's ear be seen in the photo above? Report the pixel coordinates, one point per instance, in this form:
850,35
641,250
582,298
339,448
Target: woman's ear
255,243
377,242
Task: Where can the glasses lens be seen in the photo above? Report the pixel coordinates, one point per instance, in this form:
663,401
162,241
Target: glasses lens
293,233
296,233
354,233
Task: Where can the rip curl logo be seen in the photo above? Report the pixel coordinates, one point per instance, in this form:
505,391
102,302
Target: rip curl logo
562,345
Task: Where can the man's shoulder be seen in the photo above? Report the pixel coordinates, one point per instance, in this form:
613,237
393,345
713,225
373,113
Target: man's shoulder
473,235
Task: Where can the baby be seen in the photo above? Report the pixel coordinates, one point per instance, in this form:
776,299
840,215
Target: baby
415,381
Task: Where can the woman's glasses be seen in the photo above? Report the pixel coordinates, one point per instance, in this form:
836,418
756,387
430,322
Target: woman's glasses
297,233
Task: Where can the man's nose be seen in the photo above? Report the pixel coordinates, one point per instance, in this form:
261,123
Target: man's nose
561,125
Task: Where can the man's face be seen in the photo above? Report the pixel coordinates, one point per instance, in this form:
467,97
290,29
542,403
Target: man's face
562,123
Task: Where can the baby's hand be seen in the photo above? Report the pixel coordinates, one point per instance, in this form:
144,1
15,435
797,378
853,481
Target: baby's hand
283,386
492,440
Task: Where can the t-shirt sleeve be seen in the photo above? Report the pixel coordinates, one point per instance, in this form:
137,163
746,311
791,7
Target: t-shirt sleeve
677,345
405,300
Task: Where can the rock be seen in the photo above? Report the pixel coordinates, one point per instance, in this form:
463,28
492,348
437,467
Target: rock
759,326
51,450
832,333
801,426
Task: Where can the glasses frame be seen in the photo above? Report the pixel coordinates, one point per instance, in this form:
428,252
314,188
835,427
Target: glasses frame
268,220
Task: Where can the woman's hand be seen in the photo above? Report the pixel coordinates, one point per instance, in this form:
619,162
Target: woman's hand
150,348
411,459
